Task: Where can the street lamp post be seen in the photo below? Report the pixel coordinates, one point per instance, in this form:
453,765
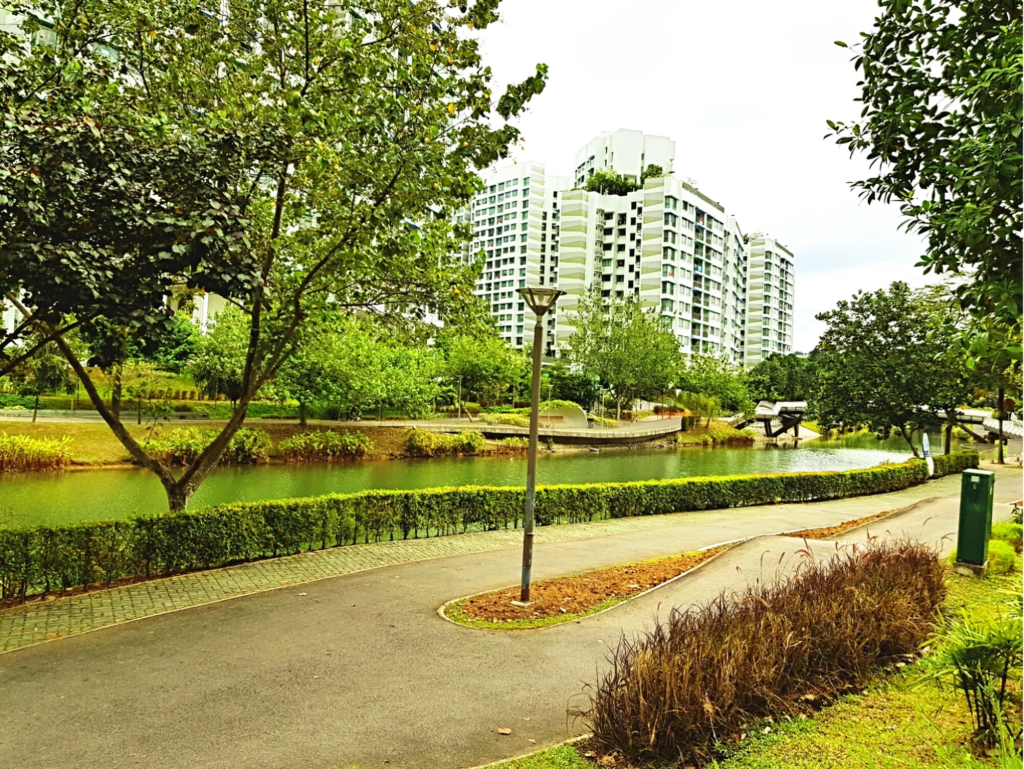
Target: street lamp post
540,300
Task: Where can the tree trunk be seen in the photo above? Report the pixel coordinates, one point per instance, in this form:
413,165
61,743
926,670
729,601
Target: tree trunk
302,414
35,409
999,455
949,438
910,440
177,498
115,392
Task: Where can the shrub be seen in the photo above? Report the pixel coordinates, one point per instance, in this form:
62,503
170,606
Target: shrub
604,421
1001,557
514,444
978,655
181,446
704,674
324,446
955,463
1009,532
422,443
21,452
513,420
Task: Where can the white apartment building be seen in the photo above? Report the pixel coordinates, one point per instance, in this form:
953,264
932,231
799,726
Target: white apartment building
771,280
668,243
515,223
626,152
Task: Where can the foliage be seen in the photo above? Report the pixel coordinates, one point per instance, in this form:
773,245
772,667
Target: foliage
955,463
623,346
327,445
43,559
781,378
702,675
514,444
354,134
703,406
1010,532
884,364
21,452
422,443
514,420
651,171
219,361
608,182
978,655
715,377
182,445
941,121
570,386
483,366
1000,557
178,344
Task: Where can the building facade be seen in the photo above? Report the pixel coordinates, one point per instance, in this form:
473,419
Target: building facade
771,283
667,243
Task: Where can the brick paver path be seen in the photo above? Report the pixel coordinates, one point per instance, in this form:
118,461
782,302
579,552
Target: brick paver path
42,621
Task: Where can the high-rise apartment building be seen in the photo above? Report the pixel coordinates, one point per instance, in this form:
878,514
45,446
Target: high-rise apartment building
771,278
515,224
667,243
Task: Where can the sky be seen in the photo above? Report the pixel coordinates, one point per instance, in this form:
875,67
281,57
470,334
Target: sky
745,90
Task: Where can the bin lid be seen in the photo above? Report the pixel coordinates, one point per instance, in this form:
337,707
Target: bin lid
972,471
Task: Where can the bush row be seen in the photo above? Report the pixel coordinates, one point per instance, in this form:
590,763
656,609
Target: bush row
181,446
948,464
58,558
423,443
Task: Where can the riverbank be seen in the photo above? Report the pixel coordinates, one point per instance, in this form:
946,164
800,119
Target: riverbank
94,446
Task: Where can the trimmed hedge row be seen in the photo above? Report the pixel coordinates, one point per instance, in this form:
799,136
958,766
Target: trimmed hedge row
45,559
947,464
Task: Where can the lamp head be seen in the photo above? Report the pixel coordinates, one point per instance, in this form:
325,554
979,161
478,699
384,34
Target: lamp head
540,300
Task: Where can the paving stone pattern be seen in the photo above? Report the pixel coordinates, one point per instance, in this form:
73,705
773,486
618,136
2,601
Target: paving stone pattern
42,621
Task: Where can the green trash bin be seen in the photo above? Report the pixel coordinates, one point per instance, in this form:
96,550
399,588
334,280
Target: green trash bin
976,491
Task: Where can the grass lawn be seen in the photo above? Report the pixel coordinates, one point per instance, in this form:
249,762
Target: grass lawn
899,723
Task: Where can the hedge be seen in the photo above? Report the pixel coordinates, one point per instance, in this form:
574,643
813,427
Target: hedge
947,464
45,559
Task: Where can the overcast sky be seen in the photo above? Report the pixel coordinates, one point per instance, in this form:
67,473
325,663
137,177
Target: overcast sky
744,89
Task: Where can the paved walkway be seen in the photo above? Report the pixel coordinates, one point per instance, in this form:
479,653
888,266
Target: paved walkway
61,617
360,670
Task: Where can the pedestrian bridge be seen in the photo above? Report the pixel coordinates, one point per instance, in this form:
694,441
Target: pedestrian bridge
982,427
780,416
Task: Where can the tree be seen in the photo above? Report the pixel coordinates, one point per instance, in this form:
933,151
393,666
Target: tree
572,386
45,371
480,365
622,346
700,405
218,365
359,132
780,378
178,344
651,172
884,364
607,182
716,378
941,122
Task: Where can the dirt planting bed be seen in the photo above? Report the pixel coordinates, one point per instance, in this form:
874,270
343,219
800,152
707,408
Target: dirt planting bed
573,596
828,532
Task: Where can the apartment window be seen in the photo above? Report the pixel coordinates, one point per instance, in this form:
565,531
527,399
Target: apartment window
606,278
608,230
607,246
620,263
633,205
622,247
620,278
608,215
606,262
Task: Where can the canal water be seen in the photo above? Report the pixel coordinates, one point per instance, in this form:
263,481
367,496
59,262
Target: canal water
51,498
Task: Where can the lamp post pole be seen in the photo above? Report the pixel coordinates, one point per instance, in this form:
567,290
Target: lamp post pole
540,300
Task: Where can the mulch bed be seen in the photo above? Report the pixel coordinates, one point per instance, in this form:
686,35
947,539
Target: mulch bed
575,595
834,531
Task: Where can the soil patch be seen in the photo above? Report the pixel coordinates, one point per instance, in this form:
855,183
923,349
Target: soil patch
581,594
834,531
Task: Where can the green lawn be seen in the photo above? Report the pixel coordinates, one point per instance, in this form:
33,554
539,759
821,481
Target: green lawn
899,723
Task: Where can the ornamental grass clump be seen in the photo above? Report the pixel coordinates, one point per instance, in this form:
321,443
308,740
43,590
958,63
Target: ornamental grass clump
324,446
706,674
22,452
182,446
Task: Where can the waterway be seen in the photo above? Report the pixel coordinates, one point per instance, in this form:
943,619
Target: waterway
53,498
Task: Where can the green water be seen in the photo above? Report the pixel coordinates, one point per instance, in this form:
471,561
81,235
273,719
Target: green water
48,498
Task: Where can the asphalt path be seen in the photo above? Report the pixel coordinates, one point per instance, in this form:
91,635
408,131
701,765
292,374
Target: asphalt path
360,670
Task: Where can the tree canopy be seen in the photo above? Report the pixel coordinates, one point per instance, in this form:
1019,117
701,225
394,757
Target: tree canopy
941,123
623,346
342,140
